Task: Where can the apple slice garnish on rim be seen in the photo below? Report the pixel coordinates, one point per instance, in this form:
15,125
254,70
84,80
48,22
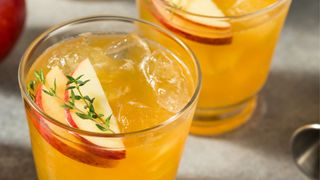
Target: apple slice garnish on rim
203,8
109,147
70,145
191,25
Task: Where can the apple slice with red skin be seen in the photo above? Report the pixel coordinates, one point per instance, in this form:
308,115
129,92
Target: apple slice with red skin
64,148
193,27
93,89
52,106
50,132
206,8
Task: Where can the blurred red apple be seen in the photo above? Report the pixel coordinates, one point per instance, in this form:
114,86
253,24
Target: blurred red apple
12,17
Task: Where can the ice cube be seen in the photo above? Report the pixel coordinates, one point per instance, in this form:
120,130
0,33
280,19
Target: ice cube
120,61
70,53
127,65
131,47
119,91
166,75
121,56
136,114
65,62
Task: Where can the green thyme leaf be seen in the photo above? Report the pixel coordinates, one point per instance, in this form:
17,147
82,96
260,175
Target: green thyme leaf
42,77
48,92
107,123
70,87
72,96
79,77
71,103
83,83
39,76
92,100
76,97
70,78
67,106
52,91
55,86
87,98
101,127
31,85
91,108
83,116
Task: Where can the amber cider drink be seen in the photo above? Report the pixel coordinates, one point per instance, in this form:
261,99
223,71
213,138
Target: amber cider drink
106,101
234,41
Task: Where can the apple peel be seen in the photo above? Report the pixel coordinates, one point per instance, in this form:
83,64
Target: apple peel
193,27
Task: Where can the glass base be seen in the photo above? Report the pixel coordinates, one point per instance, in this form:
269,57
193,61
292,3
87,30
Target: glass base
221,120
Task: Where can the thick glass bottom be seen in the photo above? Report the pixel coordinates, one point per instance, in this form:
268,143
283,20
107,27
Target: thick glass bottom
222,120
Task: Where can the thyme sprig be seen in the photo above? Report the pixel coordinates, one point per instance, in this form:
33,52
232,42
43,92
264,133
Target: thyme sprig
74,85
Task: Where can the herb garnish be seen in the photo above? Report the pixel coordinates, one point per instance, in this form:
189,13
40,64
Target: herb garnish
74,85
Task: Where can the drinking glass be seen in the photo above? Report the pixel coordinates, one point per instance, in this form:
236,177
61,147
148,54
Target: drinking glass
234,52
151,153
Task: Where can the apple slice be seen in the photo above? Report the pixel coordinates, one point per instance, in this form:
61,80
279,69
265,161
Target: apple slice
191,25
94,89
52,107
202,8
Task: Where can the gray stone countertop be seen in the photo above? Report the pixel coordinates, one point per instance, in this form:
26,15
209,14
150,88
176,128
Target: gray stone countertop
257,151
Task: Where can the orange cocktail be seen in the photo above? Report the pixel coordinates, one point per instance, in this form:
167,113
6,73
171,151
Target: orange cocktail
234,41
107,103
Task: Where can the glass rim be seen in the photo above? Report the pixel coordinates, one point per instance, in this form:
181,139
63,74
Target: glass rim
41,38
246,15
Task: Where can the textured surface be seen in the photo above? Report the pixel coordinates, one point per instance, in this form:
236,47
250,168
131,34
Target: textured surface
259,150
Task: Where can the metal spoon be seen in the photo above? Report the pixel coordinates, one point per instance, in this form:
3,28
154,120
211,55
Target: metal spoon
305,147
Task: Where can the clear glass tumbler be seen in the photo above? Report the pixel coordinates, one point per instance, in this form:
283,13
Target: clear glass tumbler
234,51
150,153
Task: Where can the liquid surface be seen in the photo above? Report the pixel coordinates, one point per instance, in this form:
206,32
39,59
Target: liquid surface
145,83
241,7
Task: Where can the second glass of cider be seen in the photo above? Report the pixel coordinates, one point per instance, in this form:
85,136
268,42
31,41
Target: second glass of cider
234,41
